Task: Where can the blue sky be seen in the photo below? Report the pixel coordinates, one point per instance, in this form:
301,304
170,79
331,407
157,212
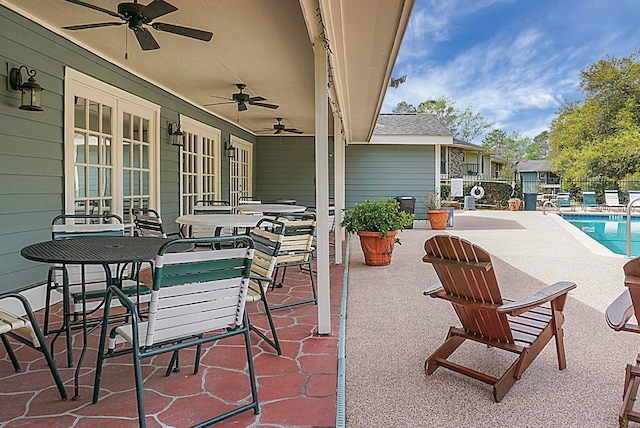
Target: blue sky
515,61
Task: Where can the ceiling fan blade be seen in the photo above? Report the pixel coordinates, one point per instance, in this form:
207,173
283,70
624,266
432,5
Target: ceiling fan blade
273,106
184,31
294,130
253,100
218,104
156,9
146,40
222,98
242,106
98,8
97,25
278,131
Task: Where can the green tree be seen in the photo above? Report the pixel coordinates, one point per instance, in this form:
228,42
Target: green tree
464,123
403,107
599,135
511,146
542,141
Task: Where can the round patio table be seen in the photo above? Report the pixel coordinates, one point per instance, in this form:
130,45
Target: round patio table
94,250
271,208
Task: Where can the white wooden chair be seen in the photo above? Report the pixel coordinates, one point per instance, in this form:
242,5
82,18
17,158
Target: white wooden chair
194,293
26,331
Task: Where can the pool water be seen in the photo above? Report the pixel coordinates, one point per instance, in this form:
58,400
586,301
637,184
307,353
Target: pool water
610,230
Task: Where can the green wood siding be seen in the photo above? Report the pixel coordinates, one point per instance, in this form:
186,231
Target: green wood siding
389,170
278,159
32,146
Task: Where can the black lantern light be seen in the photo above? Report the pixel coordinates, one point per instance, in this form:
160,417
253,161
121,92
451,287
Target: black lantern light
175,131
31,91
230,151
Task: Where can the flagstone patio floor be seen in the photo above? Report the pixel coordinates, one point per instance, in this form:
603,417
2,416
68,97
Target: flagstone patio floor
295,389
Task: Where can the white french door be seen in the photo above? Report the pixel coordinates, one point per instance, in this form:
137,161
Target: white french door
111,148
241,170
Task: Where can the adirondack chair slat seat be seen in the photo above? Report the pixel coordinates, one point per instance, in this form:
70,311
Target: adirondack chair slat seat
617,315
524,327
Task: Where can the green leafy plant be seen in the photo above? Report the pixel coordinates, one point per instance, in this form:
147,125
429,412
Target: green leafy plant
381,216
432,201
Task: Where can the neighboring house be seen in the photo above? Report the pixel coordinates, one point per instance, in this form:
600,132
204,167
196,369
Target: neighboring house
411,154
536,177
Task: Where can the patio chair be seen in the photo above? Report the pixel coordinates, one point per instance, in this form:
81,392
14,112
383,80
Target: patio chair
524,327
611,200
245,200
267,236
69,226
617,316
564,201
27,332
198,297
221,207
148,223
296,250
589,200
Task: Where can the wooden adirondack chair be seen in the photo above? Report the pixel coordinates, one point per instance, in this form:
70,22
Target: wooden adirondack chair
524,327
618,314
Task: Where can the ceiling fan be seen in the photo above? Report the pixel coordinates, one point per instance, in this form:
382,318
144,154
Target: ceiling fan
136,16
279,127
243,99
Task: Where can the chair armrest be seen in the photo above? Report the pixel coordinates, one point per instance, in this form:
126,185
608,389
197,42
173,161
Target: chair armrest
261,278
547,294
620,311
433,289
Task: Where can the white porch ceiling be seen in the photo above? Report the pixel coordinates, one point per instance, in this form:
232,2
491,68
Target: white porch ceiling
266,44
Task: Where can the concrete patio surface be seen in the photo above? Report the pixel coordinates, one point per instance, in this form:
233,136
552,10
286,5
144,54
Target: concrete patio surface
392,328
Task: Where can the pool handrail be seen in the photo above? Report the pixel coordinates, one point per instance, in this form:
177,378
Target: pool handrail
629,208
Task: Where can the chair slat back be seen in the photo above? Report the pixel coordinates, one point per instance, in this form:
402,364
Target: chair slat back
589,198
467,276
69,226
198,291
611,198
147,223
298,240
632,282
268,236
633,196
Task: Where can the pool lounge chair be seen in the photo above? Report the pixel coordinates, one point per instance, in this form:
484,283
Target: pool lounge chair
564,201
589,200
634,195
611,200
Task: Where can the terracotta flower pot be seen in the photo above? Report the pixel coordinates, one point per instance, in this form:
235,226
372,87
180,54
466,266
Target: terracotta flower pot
438,219
514,205
377,251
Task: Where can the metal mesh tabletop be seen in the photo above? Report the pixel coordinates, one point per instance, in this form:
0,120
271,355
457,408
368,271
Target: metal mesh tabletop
95,250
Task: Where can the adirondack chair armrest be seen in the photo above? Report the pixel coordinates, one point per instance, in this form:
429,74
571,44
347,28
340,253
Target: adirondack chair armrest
431,291
619,312
547,294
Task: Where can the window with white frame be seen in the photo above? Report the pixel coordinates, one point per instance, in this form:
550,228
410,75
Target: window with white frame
200,177
111,148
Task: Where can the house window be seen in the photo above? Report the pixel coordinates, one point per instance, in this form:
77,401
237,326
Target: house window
200,164
111,148
444,160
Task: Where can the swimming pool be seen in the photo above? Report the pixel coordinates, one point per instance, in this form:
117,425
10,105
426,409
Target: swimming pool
609,229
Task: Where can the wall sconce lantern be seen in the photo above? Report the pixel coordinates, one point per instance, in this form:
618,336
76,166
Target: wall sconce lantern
31,91
230,151
177,136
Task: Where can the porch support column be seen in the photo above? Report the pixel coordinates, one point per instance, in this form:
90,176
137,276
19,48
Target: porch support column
338,185
322,187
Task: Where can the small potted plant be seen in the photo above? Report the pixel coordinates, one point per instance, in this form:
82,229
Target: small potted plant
437,216
377,224
514,204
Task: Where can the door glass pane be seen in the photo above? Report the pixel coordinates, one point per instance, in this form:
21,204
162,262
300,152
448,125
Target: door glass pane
126,126
93,116
107,182
106,148
106,120
78,140
126,154
93,181
93,149
145,130
126,183
79,112
136,155
136,182
79,186
145,156
136,128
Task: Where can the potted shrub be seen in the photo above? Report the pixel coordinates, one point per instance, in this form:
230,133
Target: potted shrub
377,224
514,204
437,216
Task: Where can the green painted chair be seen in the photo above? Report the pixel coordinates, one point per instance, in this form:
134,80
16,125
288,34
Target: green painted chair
198,297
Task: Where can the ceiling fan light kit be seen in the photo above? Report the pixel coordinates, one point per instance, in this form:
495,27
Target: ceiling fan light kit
242,100
136,16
